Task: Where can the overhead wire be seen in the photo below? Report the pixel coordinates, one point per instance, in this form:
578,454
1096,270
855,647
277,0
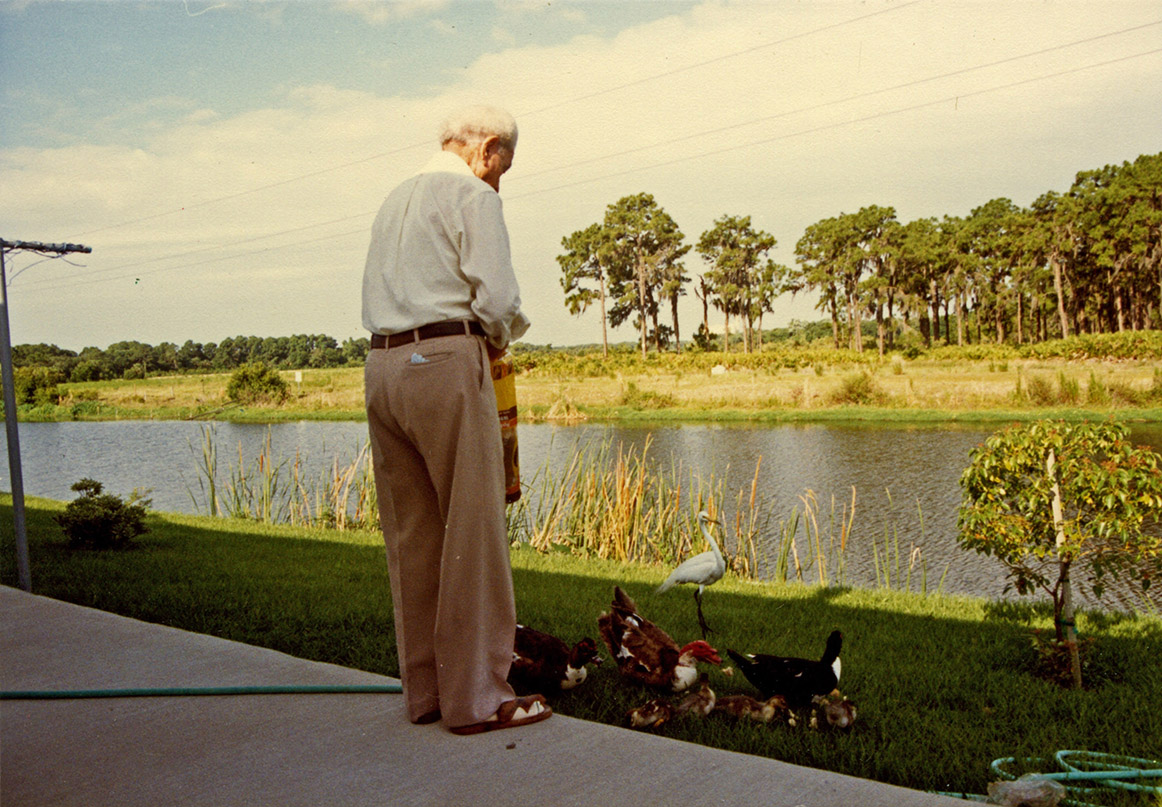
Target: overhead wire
239,194
52,283
58,283
717,59
846,99
138,275
824,127
526,113
212,247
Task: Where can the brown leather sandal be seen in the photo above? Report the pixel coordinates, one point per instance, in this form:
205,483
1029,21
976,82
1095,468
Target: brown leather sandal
530,708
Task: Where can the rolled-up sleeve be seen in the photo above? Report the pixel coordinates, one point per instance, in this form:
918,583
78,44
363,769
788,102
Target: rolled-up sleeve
486,262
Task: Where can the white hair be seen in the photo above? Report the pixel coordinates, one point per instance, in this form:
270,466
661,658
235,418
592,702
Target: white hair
479,122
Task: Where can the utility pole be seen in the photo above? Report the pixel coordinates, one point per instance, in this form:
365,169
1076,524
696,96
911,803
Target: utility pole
23,572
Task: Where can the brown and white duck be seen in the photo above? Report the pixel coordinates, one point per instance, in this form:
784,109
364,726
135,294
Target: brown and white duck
645,653
543,663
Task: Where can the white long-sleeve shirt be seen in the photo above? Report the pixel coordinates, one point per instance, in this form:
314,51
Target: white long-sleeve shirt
439,251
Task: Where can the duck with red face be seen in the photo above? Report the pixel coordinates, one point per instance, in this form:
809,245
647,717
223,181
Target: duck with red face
645,653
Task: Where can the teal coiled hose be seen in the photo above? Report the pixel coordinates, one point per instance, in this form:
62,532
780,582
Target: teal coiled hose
1085,772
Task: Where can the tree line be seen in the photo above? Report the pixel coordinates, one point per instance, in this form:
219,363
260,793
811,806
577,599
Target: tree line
132,359
1086,261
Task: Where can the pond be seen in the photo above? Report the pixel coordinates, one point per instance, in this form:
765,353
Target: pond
905,479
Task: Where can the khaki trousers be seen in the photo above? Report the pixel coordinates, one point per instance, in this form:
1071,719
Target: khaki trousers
439,475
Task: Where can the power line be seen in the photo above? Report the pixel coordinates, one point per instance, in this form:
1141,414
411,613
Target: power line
713,152
528,113
219,259
825,127
626,152
212,247
717,59
844,100
252,190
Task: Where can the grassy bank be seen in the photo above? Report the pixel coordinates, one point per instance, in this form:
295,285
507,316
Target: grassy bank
717,387
943,685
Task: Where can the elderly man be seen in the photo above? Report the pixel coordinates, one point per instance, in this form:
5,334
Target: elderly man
441,300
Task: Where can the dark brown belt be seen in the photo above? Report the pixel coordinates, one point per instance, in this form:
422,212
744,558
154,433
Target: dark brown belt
431,331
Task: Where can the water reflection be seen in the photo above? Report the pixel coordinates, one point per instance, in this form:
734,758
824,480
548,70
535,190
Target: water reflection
906,479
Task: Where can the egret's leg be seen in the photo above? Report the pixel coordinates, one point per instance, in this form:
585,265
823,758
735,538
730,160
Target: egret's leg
701,619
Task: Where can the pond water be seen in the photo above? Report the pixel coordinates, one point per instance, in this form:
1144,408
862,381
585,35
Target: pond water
906,479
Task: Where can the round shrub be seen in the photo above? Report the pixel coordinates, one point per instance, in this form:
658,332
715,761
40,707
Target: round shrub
97,520
858,389
256,383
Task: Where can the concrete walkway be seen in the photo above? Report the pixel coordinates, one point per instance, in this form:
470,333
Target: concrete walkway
322,750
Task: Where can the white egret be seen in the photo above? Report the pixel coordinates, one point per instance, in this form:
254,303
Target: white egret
704,569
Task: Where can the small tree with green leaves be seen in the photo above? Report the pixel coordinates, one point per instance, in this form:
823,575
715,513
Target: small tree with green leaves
1044,496
36,385
256,383
97,520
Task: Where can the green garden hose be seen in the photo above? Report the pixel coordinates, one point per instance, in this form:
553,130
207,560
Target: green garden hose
1096,770
181,692
1112,771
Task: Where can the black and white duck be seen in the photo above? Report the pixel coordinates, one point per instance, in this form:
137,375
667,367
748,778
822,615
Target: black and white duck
796,679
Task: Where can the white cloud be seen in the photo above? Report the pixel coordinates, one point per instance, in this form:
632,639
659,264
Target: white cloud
728,109
503,36
379,12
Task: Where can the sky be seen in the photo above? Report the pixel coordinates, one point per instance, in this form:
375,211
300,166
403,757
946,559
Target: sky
225,160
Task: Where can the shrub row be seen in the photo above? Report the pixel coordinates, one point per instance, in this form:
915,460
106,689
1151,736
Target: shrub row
626,359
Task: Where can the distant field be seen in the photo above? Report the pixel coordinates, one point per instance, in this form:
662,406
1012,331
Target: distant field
927,388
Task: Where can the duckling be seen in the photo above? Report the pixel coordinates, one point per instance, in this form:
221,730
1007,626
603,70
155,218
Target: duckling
781,711
700,702
837,711
651,714
745,706
645,653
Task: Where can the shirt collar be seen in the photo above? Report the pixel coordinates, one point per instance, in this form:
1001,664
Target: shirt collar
447,162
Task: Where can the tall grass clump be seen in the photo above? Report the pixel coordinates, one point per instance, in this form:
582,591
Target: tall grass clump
342,498
274,490
207,473
606,501
257,491
645,399
889,564
858,389
1096,391
1069,389
1038,391
615,503
824,547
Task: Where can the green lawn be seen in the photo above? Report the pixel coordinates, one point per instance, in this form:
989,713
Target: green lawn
943,685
